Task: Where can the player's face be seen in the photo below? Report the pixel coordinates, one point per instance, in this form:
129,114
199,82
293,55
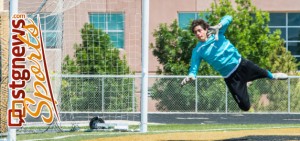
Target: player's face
200,33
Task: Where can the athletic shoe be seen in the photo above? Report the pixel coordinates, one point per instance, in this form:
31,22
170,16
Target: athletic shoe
249,83
280,76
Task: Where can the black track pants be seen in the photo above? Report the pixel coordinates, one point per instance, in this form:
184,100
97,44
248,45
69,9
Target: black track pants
237,81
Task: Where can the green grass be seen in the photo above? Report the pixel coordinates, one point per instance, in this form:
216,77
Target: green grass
85,133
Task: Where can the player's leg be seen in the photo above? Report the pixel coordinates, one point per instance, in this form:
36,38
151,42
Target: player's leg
255,72
237,85
238,89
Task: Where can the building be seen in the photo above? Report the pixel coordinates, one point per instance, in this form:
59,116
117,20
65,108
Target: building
284,15
125,26
122,20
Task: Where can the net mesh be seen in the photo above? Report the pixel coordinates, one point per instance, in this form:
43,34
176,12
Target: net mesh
93,52
4,68
86,49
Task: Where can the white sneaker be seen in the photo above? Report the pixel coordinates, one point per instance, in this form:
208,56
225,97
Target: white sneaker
280,76
249,83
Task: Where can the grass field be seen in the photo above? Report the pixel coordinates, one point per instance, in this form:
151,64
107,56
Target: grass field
170,131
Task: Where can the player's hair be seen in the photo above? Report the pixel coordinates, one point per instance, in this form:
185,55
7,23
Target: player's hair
200,22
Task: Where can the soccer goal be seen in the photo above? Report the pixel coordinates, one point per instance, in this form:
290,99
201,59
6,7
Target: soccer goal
73,65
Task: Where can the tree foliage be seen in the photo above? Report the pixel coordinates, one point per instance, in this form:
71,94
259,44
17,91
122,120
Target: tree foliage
96,55
173,49
248,32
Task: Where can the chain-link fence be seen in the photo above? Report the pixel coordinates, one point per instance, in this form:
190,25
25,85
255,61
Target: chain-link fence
98,94
207,94
116,98
210,94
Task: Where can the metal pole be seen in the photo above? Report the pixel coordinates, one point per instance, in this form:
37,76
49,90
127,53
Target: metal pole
13,9
196,95
289,95
102,92
1,5
133,95
226,100
145,47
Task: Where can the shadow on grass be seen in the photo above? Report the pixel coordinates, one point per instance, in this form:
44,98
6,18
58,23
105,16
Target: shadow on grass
256,138
265,138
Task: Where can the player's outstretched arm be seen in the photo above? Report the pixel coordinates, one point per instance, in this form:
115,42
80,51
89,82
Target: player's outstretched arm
221,27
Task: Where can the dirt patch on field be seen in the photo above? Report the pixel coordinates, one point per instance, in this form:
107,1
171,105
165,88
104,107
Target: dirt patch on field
261,134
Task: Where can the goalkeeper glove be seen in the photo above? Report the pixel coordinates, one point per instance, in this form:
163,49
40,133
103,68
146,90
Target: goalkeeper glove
187,79
214,30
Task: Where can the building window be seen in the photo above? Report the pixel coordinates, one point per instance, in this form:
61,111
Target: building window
112,24
185,18
51,29
288,24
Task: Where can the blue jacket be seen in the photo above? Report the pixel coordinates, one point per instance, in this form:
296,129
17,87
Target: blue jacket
221,54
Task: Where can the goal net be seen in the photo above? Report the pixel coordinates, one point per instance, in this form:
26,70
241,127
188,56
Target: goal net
92,49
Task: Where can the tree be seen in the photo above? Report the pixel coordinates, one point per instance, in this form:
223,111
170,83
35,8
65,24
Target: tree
173,47
249,32
96,55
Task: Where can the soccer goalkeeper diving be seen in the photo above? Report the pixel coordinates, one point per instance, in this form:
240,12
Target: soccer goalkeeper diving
214,48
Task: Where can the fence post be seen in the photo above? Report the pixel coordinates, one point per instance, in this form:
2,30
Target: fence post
226,100
133,95
13,9
103,94
196,95
289,95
